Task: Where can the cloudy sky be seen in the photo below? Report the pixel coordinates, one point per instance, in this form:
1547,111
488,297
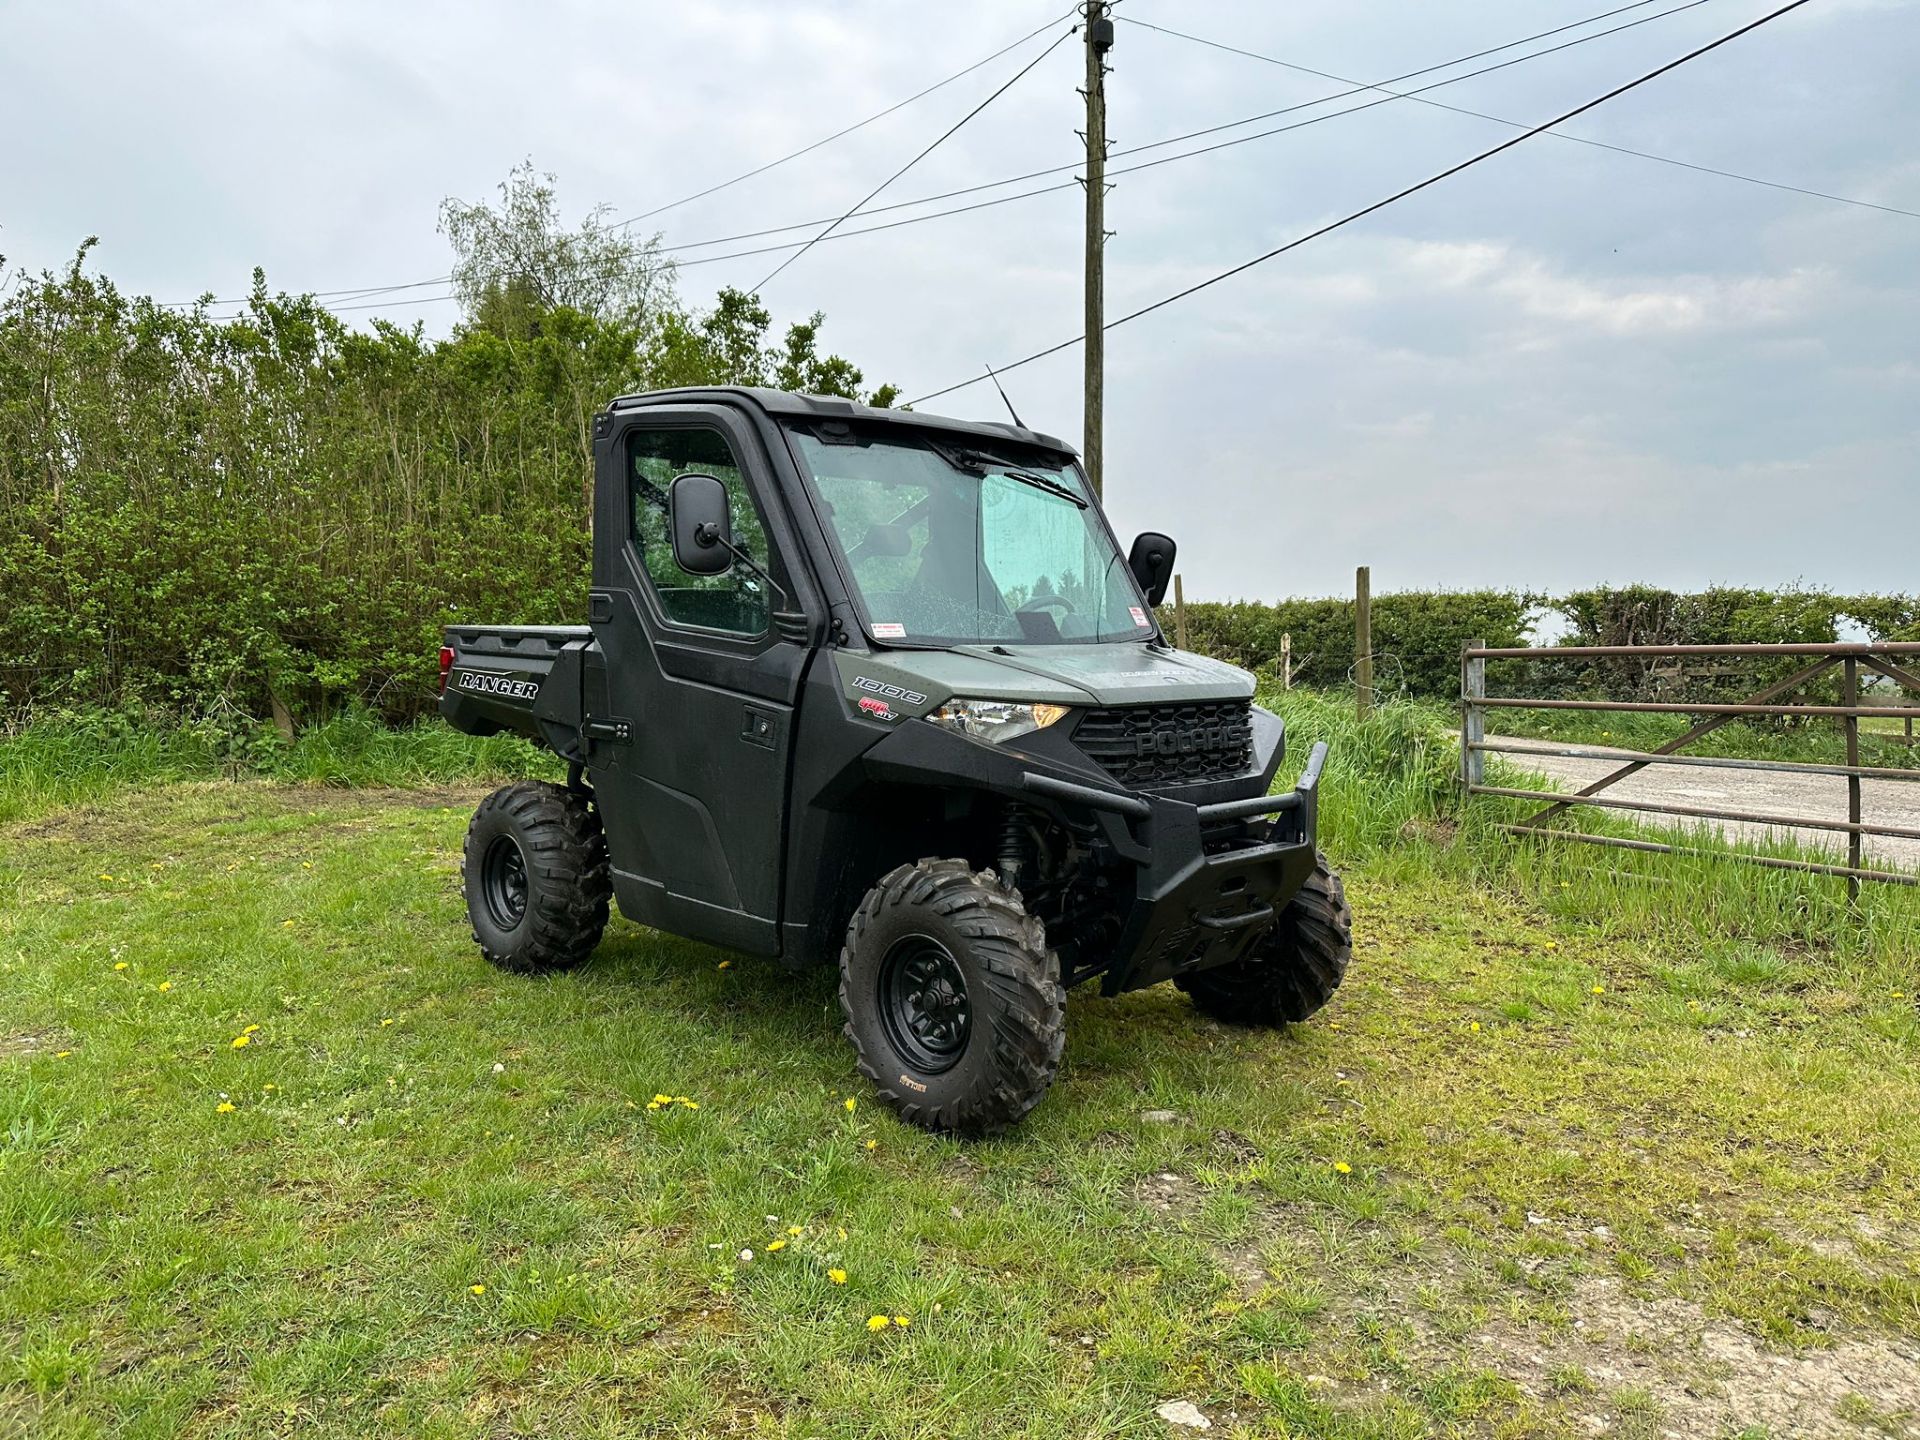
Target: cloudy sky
1565,366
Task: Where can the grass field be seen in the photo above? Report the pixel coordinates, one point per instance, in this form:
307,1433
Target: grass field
1572,1153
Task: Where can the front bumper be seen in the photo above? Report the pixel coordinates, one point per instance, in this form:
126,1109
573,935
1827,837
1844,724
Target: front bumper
1210,872
1200,899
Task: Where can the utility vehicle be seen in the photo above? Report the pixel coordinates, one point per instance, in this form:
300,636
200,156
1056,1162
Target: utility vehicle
878,689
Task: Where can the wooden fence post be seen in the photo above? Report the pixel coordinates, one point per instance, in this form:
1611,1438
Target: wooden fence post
1473,719
1363,640
1179,613
1286,659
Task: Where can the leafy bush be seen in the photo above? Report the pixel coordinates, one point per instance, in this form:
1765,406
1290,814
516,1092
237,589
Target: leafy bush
276,509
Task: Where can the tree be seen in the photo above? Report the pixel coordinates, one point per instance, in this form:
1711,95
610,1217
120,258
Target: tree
728,346
515,261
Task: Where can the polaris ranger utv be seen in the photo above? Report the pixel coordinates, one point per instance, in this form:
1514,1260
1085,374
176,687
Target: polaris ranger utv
878,689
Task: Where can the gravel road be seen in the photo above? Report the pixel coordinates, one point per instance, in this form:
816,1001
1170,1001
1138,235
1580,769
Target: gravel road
1822,797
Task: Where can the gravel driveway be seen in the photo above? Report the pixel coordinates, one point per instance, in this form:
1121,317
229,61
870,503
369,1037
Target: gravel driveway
1823,797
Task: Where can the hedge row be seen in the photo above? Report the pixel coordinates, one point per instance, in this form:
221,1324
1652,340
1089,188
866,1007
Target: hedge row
1418,635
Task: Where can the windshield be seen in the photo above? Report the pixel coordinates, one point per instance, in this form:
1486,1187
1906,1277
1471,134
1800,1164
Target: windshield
947,544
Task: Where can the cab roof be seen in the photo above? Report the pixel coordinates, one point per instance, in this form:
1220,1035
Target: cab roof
787,405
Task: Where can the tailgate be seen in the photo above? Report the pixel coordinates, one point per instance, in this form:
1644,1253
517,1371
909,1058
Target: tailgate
497,672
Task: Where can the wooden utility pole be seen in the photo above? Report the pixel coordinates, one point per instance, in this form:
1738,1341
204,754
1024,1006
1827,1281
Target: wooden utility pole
1180,614
1098,32
1363,640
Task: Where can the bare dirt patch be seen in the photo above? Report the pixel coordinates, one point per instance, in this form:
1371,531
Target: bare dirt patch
1171,1195
25,1044
1708,1376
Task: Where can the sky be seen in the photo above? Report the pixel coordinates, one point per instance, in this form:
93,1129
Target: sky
1564,367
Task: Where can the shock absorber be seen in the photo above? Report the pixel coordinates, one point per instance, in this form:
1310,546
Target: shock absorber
1015,845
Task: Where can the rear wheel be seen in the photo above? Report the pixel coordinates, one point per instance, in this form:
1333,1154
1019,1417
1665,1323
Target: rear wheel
1293,970
953,1000
536,878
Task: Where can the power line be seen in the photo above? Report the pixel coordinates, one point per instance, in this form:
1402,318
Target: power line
858,125
1416,95
1398,195
360,292
944,136
1355,88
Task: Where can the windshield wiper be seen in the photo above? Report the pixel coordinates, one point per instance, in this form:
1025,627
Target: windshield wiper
972,462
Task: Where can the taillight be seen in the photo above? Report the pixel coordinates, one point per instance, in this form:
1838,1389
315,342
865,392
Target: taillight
446,664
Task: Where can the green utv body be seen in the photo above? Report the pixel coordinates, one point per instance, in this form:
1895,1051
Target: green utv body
876,689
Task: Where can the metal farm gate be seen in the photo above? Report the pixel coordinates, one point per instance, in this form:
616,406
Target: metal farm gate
1892,664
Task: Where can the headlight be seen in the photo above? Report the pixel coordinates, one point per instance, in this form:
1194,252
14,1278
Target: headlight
995,720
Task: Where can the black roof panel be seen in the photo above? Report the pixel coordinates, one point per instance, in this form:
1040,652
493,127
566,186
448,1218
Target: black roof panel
832,407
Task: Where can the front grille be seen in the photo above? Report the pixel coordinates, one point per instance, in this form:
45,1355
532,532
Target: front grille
1150,746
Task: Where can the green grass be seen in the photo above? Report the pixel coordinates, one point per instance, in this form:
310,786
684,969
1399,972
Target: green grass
77,758
1585,1115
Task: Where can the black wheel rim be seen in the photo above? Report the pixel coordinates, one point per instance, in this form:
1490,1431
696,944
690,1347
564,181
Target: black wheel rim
924,1004
503,882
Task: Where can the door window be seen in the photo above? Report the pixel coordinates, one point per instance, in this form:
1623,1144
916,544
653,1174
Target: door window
735,600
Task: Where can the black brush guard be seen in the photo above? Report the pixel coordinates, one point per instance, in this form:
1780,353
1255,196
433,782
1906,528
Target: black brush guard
1208,885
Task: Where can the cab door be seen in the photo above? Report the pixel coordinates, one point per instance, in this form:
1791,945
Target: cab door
703,672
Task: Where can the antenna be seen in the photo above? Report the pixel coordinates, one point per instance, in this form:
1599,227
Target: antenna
1003,398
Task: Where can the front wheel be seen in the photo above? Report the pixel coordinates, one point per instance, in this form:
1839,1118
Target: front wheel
1293,970
953,1000
536,876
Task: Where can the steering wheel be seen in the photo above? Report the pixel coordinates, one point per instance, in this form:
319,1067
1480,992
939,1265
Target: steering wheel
1046,602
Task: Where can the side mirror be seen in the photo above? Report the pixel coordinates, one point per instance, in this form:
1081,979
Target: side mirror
1151,561
702,525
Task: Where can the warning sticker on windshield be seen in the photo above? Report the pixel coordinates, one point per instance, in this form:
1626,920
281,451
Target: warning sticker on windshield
1139,616
889,630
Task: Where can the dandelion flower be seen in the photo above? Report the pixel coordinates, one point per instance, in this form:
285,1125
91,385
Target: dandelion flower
286,924
1552,945
251,1029
852,1104
164,986
873,1144
837,1276
724,965
746,1257
796,1229
878,1322
1343,1167
106,877
663,1099
1599,989
1474,1027
240,1042
773,1245
903,1321
62,1054
226,1107
842,1232
653,1105
690,1104
119,964
476,1289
